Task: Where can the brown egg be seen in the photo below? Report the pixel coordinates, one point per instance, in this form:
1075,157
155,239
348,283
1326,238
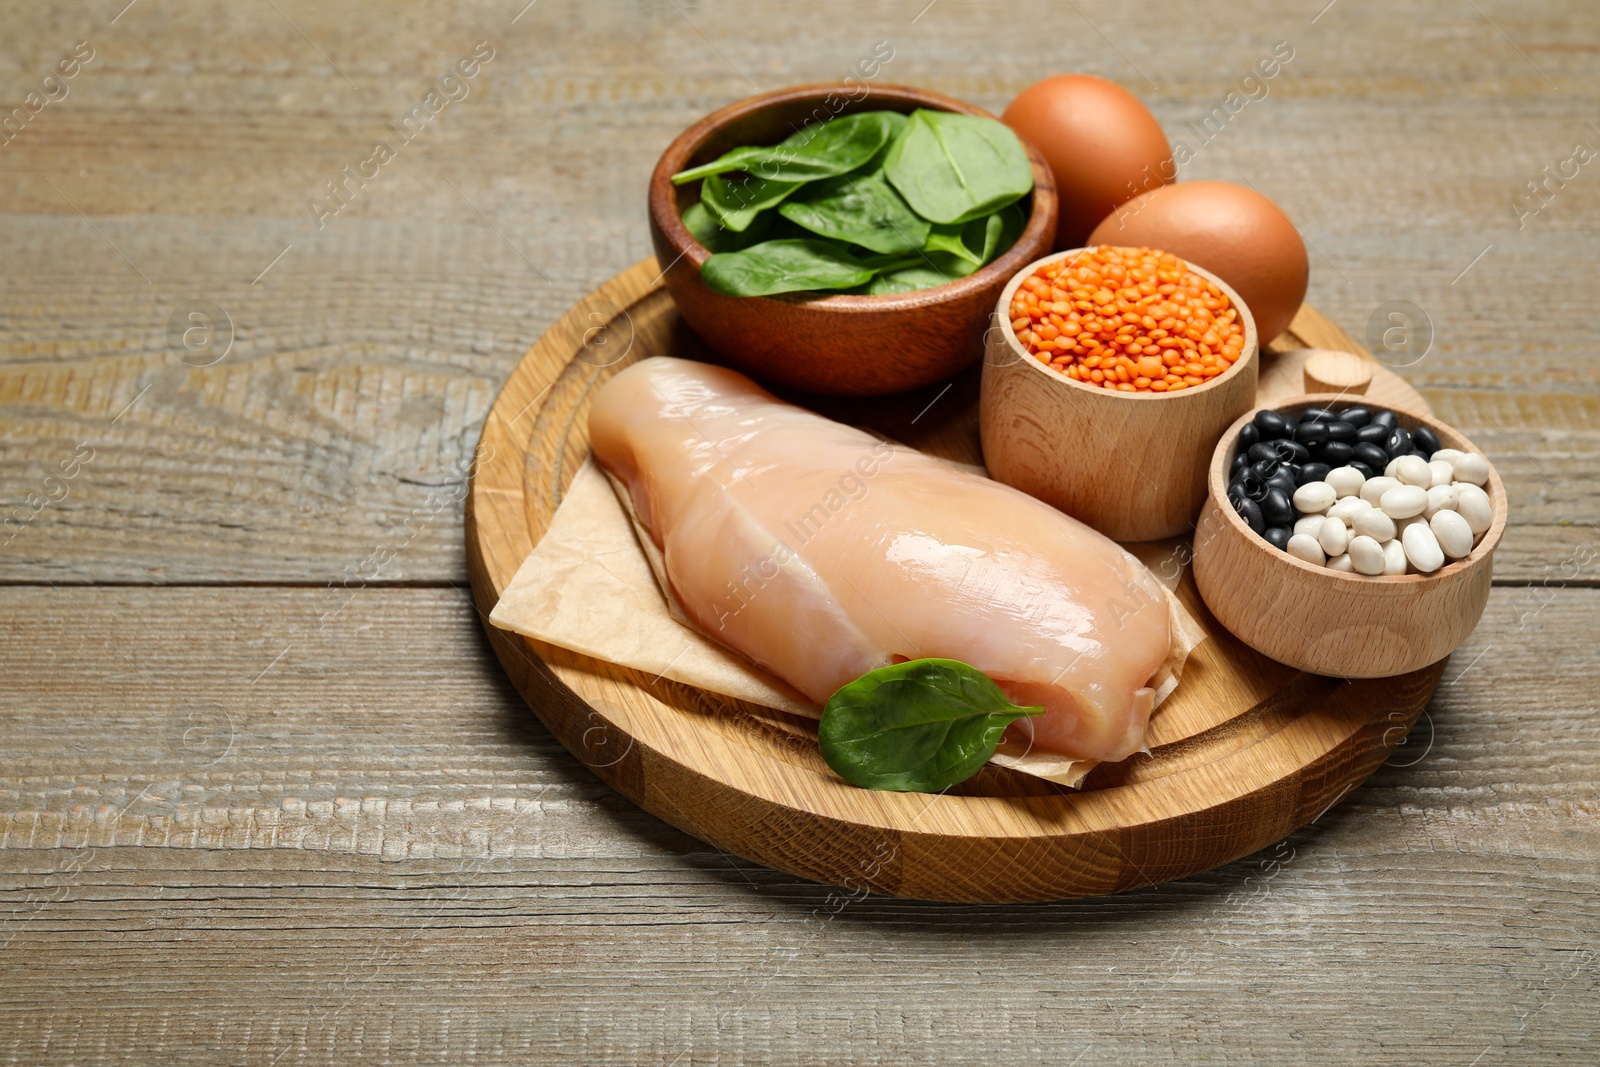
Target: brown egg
1102,144
1234,232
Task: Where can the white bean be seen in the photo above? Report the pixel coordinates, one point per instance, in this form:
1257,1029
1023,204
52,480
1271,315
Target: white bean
1348,508
1473,505
1366,555
1452,533
1341,562
1308,525
1422,548
1404,501
1443,473
1374,524
1373,491
1394,557
1333,537
1440,498
1472,468
1448,455
1346,481
1393,469
1314,498
1413,470
1306,547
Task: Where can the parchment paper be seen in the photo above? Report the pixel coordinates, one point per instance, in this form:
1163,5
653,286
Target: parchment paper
594,584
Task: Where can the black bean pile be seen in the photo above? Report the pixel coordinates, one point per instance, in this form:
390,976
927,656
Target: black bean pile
1278,453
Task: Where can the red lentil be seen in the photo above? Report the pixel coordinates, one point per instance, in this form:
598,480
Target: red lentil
1131,319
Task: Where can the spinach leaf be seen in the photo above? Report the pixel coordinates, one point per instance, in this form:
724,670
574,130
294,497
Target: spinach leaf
1012,222
732,160
784,266
737,203
704,227
951,238
820,150
939,268
984,239
858,208
955,168
919,726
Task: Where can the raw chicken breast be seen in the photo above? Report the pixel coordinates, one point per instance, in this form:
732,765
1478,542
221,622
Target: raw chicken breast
821,552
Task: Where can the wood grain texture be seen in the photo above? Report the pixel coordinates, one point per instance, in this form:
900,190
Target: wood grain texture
838,345
1243,752
1132,465
396,863
1442,913
385,335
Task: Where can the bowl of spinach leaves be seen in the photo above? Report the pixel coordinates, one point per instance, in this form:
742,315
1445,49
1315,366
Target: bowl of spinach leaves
847,242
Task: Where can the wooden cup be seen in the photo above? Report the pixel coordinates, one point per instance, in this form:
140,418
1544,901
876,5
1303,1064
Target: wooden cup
1132,465
1331,622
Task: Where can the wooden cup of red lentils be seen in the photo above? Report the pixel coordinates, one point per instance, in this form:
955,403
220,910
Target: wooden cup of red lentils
1109,375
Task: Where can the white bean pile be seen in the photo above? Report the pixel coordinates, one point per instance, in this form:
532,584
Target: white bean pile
1412,519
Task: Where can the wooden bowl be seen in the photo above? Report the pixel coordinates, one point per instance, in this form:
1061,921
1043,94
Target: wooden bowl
1331,622
835,345
1132,465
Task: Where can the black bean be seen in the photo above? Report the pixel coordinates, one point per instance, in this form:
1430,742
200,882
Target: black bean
1371,455
1342,431
1316,415
1276,508
1312,472
1398,442
1366,471
1357,417
1278,536
1284,480
1240,462
1384,418
1425,440
1291,451
1374,433
1250,484
1262,450
1336,453
1265,468
1250,512
1311,433
1271,425
1249,434
1424,456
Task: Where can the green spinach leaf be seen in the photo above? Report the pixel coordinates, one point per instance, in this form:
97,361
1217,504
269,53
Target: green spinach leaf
704,227
820,150
736,203
955,168
919,726
784,266
951,238
858,208
939,268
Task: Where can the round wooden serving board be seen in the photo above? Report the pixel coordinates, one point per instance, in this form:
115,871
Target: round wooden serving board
1243,753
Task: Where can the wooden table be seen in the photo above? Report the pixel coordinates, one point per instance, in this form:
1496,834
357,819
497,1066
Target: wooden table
266,796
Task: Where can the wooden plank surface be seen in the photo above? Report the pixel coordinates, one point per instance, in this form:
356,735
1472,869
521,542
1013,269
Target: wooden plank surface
288,810
373,851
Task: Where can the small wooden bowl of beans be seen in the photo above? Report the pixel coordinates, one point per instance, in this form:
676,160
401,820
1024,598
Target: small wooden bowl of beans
1109,374
1325,611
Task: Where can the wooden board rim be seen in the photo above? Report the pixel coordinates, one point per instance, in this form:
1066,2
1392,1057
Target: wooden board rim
662,771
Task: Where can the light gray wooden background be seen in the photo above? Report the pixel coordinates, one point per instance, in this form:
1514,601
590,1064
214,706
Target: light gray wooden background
259,804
